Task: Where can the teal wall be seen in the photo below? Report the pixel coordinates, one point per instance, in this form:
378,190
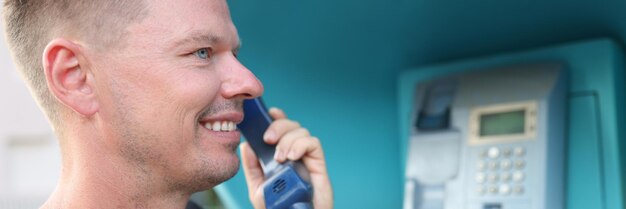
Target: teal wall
332,65
327,64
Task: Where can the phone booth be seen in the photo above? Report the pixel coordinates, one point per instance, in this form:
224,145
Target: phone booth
537,129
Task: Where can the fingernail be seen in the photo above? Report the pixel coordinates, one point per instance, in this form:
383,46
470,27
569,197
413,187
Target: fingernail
269,135
291,155
279,155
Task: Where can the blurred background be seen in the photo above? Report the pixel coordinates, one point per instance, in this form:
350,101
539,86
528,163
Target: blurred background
334,66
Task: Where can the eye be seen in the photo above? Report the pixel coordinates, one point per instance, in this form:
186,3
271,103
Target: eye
203,53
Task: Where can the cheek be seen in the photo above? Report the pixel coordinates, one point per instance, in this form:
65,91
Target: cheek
164,97
194,88
177,99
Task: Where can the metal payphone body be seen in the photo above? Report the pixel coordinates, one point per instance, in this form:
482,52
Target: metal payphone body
495,141
595,137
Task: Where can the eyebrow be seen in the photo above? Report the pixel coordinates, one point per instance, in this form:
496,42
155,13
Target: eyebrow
208,38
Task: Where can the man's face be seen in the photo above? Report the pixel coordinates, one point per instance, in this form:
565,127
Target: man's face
176,74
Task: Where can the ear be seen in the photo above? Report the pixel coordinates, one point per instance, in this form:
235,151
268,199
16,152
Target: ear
71,84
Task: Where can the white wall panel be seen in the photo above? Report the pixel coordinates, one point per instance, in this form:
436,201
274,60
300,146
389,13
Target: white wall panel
29,154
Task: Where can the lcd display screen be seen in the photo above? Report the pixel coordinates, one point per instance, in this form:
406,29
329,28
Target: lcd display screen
503,123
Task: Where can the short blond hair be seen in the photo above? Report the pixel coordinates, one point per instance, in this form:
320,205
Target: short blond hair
31,24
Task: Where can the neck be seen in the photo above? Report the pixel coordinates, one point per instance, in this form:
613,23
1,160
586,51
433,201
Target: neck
95,176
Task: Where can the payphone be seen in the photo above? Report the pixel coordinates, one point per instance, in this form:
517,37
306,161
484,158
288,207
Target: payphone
488,139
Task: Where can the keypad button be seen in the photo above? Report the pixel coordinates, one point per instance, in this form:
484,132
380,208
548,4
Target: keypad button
480,165
519,151
493,178
482,154
518,190
505,177
505,189
493,189
520,164
480,190
493,152
493,165
506,152
505,164
518,176
480,178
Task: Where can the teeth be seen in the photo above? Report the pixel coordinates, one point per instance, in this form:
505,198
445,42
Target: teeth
225,126
221,126
217,126
231,126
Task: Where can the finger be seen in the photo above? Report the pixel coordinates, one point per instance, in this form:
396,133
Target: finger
309,145
277,113
308,149
252,171
284,145
278,128
312,155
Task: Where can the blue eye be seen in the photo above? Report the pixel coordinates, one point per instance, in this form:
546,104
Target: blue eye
203,53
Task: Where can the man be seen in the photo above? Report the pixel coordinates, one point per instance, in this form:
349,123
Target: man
144,97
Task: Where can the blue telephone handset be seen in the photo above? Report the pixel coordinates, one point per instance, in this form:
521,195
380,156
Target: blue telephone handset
287,185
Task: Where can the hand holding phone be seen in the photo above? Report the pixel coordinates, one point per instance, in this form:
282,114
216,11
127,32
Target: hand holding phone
286,185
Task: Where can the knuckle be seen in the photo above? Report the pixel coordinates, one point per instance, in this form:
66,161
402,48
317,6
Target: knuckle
305,131
315,140
278,123
288,124
280,146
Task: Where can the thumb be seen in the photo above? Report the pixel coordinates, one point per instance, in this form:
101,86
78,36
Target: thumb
254,175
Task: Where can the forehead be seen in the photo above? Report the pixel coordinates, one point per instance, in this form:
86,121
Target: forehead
170,21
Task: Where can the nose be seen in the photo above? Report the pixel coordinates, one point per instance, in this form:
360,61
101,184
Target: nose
239,82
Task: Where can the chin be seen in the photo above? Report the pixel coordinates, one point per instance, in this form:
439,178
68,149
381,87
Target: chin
214,172
229,170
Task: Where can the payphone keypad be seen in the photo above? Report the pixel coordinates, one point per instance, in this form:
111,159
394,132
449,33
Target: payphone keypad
501,171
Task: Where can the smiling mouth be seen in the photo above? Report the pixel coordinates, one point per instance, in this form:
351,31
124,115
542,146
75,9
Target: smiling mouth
221,126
